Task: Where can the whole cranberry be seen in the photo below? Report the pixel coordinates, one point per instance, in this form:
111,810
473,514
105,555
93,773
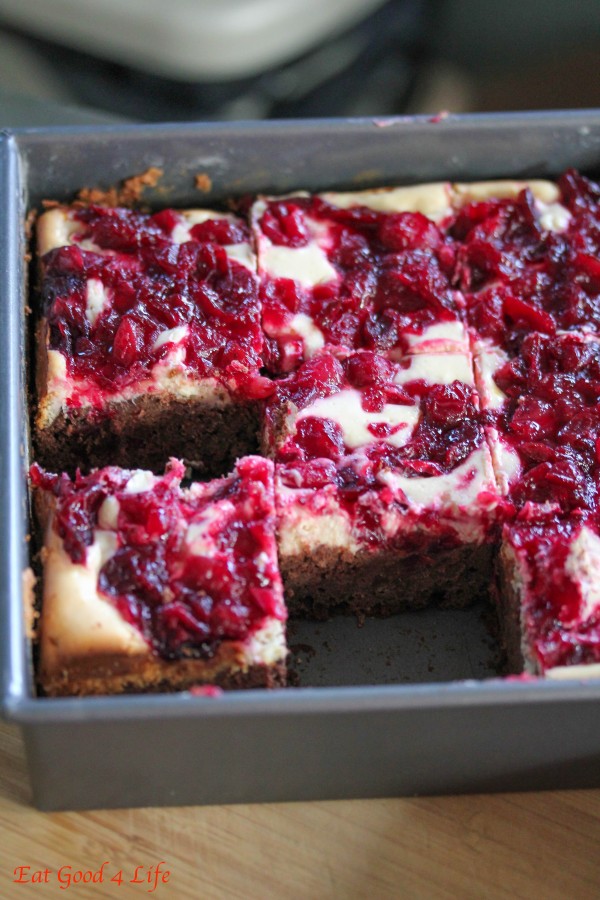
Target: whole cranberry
320,438
366,368
448,404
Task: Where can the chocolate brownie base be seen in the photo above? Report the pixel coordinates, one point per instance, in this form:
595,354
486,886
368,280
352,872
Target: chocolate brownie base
93,678
507,601
146,431
383,584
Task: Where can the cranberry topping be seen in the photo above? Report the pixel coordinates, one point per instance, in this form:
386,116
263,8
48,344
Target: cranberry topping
365,369
220,231
524,313
552,419
319,438
392,280
123,230
518,277
579,194
126,230
150,285
409,231
561,631
284,223
396,274
508,226
185,600
448,429
320,376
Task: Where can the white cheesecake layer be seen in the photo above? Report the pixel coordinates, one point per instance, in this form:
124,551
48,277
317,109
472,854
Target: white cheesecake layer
309,521
543,191
346,410
169,377
309,265
443,337
488,359
432,200
76,619
437,368
461,497
583,568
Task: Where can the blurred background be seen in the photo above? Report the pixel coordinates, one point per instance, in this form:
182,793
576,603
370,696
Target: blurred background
68,61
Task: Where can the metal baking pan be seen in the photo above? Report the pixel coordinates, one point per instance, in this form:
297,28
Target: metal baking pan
401,706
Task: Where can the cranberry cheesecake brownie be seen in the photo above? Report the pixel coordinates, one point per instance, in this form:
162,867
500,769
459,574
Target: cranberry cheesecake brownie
385,492
364,270
423,365
150,586
549,596
150,342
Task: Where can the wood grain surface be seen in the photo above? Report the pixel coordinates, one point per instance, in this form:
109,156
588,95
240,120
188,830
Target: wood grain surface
539,846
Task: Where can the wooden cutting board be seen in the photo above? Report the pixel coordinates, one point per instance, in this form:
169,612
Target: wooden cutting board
537,846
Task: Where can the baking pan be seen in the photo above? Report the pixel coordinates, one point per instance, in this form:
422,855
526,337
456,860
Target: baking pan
401,706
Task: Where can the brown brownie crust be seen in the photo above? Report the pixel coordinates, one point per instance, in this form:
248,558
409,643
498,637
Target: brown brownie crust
508,601
103,675
209,432
197,420
385,583
143,432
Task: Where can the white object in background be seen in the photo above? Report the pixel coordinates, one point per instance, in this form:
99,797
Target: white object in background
192,40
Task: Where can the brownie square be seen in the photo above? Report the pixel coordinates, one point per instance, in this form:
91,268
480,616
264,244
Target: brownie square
151,586
386,496
548,579
362,270
544,420
150,342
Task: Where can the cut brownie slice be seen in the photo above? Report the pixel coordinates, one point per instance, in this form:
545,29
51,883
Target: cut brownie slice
363,270
525,269
385,492
549,591
544,420
529,262
150,586
376,269
150,341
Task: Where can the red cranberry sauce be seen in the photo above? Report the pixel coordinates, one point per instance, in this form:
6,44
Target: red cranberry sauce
184,599
445,431
552,419
152,284
393,278
519,277
560,628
